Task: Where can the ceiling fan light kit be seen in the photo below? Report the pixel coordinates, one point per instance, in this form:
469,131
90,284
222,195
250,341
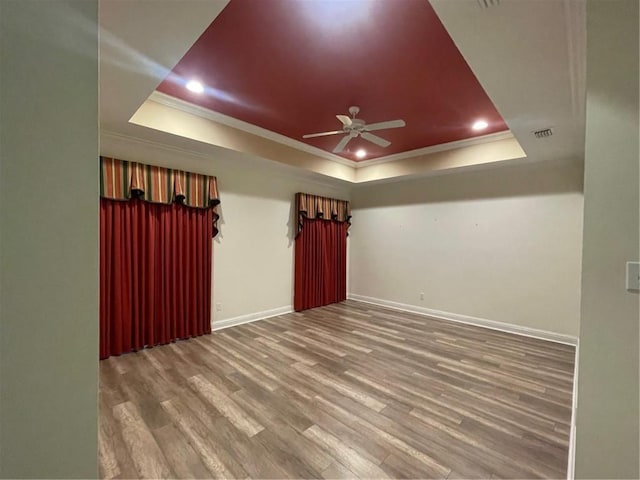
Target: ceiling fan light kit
353,127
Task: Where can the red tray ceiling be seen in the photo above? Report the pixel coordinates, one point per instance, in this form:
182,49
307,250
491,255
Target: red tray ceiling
290,66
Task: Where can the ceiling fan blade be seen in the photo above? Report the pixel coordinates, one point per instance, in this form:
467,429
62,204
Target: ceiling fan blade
322,134
342,143
375,139
382,125
345,119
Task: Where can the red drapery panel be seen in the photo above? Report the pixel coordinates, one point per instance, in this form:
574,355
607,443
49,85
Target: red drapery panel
155,274
320,264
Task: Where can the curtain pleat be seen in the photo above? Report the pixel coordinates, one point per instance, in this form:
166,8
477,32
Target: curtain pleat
122,180
155,280
320,264
315,206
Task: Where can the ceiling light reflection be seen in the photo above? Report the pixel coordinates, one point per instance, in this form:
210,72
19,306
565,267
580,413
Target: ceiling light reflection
480,125
195,86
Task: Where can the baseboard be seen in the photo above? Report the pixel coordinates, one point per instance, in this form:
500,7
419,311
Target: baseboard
479,322
251,317
571,465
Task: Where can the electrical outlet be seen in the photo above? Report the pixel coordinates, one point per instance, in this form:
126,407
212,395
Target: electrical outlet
421,295
218,307
633,276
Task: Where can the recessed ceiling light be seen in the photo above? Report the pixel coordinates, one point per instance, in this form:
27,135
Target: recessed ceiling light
480,125
195,86
361,153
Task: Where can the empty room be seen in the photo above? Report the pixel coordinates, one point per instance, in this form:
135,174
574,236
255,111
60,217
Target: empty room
319,239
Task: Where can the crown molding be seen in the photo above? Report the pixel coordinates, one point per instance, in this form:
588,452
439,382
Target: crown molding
173,102
467,142
108,134
187,107
308,176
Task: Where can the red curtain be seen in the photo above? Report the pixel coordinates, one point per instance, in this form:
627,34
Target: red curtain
320,264
155,274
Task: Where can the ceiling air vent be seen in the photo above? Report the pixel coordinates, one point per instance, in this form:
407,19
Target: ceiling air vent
545,132
488,3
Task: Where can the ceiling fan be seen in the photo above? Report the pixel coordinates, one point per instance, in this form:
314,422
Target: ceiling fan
354,127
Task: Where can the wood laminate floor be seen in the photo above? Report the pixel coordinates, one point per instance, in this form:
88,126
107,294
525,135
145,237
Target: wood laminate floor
344,391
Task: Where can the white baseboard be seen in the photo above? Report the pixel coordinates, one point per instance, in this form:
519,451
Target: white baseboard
479,322
251,317
571,465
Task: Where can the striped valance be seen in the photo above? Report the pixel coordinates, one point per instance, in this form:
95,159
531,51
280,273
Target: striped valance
314,206
122,180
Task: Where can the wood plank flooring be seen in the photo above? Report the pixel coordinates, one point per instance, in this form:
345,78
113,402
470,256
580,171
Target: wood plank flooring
344,391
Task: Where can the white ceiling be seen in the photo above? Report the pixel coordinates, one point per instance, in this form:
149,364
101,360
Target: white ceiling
527,54
140,42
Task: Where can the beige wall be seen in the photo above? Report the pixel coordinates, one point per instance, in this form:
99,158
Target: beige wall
498,244
48,239
502,148
253,254
163,118
607,415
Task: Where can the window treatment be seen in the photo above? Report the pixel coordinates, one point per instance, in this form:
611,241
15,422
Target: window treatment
320,251
122,180
155,255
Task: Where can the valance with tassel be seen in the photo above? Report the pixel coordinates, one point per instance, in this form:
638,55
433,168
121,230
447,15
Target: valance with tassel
122,180
314,206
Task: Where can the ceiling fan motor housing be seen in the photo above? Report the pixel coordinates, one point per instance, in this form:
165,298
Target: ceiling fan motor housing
357,125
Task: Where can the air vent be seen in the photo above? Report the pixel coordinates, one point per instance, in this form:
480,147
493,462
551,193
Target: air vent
488,3
545,132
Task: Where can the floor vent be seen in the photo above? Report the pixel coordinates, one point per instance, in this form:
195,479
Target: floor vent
488,3
545,132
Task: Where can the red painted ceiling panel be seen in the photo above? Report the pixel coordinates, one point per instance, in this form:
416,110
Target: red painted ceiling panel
291,65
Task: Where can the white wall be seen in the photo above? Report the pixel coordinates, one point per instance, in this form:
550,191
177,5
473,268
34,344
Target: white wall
499,244
607,415
48,239
254,251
